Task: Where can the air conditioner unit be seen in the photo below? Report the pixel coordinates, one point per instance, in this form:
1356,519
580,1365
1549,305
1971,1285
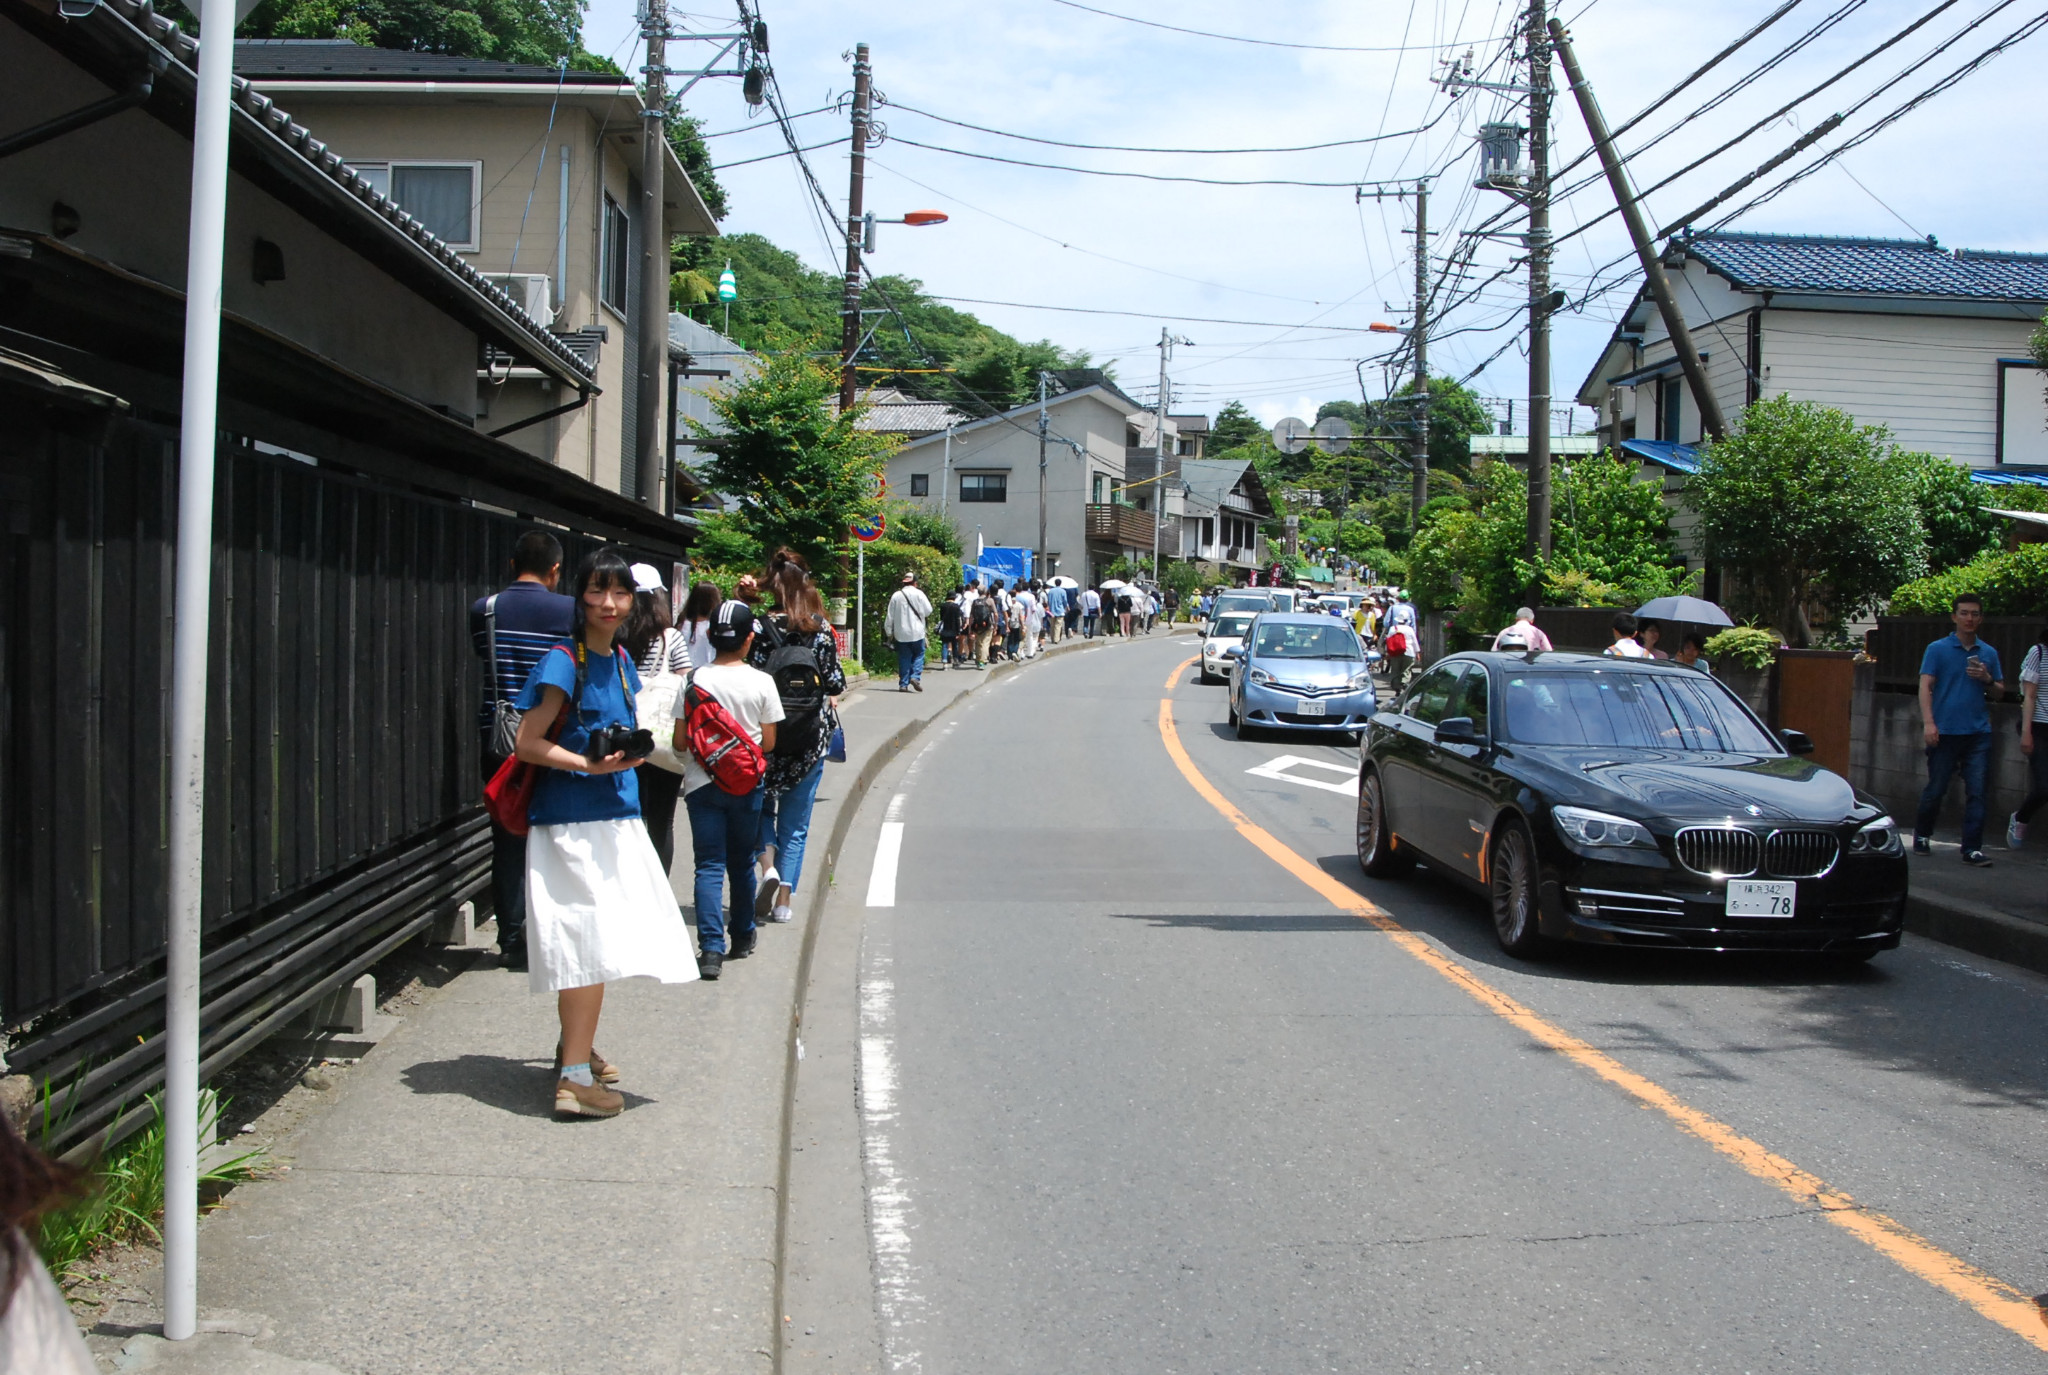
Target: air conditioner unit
529,290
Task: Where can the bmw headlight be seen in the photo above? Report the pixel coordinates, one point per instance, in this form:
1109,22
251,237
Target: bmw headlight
1879,837
1600,830
1259,675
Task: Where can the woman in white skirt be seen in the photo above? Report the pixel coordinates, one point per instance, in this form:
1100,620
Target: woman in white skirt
598,904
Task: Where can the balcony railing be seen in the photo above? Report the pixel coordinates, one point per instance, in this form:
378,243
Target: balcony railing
1115,523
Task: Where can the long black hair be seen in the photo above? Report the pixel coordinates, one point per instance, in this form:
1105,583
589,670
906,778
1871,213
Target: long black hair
645,623
31,1184
603,567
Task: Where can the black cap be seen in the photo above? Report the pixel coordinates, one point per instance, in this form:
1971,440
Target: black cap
731,626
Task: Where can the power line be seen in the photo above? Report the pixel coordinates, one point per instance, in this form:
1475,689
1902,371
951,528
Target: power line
749,128
1138,176
780,153
1125,148
1151,315
1235,38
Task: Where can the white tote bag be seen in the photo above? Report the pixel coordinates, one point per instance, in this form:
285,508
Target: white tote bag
656,707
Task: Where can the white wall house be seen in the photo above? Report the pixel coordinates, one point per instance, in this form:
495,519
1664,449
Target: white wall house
986,479
1926,341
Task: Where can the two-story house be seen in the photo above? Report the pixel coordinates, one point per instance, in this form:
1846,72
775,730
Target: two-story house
531,175
983,475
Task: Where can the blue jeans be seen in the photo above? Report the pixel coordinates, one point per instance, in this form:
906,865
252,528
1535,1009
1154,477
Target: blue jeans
1971,753
786,824
1088,624
723,830
909,661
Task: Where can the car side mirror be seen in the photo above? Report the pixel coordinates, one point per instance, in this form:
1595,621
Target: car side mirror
1234,652
1796,741
1457,730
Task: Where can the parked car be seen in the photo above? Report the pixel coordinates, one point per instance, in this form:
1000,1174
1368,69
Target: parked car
1252,599
1300,671
1284,598
1624,802
1222,642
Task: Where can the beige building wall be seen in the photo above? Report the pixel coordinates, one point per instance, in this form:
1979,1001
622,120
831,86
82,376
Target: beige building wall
509,141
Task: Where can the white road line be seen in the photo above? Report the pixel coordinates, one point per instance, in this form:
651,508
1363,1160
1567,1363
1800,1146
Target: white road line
1277,769
890,1225
882,879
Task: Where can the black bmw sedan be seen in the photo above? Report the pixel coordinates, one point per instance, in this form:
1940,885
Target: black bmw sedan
1631,802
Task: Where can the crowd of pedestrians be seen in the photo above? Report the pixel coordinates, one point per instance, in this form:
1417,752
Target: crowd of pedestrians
599,714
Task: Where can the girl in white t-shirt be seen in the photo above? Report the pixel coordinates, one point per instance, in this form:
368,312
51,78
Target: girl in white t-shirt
2033,739
695,623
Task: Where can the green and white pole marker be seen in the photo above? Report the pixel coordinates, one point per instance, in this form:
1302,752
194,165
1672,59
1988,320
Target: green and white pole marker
728,288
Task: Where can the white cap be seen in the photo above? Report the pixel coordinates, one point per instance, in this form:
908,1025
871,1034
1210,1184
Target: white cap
646,578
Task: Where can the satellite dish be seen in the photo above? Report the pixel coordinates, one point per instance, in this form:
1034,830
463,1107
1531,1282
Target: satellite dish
1291,436
1333,433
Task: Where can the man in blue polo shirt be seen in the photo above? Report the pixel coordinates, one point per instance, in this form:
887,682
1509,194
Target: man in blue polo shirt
1959,675
520,622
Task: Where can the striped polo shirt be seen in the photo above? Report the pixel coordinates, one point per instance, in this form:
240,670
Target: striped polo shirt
530,619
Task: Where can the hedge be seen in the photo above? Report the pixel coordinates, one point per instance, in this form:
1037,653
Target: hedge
937,573
2011,584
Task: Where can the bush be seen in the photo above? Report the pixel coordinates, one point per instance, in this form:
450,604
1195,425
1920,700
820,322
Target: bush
910,523
2014,584
937,573
1752,646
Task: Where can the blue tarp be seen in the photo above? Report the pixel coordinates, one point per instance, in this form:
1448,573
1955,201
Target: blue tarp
997,561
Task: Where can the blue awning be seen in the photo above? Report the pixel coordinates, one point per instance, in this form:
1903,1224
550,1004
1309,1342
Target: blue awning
1679,458
2010,477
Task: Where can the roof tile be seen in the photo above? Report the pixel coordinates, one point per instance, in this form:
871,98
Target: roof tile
1878,267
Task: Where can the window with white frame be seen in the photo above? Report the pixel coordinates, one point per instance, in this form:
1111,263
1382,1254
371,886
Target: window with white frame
618,253
443,196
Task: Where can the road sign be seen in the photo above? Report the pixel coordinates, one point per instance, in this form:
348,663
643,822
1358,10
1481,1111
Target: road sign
1291,436
871,531
877,485
1332,433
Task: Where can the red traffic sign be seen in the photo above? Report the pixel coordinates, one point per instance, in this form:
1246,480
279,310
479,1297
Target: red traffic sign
871,531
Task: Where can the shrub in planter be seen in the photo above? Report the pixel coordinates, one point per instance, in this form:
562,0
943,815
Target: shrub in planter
1750,646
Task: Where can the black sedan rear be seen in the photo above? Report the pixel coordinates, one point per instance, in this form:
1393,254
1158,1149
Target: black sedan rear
1627,802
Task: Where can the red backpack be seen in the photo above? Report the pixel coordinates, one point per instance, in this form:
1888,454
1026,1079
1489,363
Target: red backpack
720,743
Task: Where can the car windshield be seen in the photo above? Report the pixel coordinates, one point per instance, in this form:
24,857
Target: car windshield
1293,640
1652,711
1240,603
1231,627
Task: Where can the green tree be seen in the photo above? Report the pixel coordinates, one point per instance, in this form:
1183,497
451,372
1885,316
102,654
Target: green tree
686,136
1806,508
910,523
802,473
1611,529
1235,427
1952,510
538,32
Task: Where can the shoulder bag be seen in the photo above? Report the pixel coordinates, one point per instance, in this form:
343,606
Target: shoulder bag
508,797
504,716
656,707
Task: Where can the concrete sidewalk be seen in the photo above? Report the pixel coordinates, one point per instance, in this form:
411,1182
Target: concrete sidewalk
436,1217
2001,912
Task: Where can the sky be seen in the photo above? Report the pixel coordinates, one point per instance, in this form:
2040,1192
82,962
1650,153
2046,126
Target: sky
1276,285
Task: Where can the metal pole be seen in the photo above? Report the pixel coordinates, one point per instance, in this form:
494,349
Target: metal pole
1539,282
860,601
205,249
850,304
1420,336
946,472
1646,251
653,322
1039,553
1159,444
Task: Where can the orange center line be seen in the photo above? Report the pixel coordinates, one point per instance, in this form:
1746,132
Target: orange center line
1989,1295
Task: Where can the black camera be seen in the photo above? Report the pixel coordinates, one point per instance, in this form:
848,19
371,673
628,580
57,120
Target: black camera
606,741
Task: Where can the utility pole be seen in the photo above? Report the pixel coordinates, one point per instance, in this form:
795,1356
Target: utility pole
1539,281
850,305
653,323
1159,449
1654,276
1038,555
1420,337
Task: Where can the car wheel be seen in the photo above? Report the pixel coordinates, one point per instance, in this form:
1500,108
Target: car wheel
1205,678
1376,852
1511,870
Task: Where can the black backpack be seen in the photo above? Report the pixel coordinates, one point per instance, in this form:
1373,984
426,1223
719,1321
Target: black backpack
983,615
802,689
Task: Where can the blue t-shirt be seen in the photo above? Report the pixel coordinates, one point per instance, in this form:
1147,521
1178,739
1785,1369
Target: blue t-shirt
1958,703
562,795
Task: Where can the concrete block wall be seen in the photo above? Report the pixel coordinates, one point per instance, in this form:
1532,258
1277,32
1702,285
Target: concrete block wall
1889,761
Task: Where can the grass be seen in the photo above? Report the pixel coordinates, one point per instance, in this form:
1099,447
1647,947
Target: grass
126,1201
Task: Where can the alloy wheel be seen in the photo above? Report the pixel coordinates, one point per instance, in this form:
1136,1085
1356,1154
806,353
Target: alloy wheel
1512,875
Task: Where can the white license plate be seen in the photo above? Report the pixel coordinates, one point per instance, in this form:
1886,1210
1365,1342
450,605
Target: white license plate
1750,898
1312,709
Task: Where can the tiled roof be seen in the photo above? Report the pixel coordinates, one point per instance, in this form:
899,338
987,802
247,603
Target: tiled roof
304,58
1877,267
894,411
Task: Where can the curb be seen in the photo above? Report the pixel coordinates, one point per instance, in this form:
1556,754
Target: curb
856,796
2014,940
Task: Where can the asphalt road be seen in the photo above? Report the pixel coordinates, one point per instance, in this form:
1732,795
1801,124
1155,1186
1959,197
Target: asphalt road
1134,1097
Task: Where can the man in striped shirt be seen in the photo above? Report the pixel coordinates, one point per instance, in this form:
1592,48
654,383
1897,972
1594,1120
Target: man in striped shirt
529,617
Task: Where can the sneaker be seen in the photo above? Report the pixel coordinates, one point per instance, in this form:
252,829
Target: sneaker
764,898
2015,832
743,946
601,1069
708,962
577,1100
782,913
513,957
917,685
1977,859
1920,846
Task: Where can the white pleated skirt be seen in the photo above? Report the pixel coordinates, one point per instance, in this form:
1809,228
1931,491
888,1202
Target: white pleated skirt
599,908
